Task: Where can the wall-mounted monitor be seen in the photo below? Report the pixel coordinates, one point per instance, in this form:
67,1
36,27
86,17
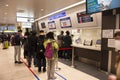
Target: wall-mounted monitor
52,25
94,6
43,25
65,22
26,25
2,28
82,17
12,28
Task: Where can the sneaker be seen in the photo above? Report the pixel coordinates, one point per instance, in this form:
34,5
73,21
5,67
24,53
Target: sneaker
19,62
53,78
16,62
39,69
44,69
58,69
29,66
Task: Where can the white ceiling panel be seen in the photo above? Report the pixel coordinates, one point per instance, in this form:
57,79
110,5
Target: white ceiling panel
29,8
7,13
50,6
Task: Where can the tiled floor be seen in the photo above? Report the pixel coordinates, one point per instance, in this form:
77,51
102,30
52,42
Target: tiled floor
11,71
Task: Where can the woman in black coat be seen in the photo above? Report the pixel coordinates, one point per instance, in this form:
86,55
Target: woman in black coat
40,52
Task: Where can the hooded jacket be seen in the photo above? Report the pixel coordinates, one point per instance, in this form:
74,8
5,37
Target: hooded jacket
55,46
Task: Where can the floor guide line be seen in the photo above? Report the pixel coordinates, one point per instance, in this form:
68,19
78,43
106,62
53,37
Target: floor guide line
30,70
36,75
60,76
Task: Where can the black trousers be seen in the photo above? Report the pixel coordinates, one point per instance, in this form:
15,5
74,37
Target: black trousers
41,62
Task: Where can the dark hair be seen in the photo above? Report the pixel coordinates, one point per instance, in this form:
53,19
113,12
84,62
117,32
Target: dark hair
117,34
33,32
50,35
41,31
19,30
67,32
62,32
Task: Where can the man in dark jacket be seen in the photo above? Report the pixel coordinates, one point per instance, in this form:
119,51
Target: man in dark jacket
67,44
17,46
32,47
25,42
40,52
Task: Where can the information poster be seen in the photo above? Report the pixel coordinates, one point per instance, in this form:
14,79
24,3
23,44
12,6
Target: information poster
52,25
65,22
117,44
101,5
111,43
107,33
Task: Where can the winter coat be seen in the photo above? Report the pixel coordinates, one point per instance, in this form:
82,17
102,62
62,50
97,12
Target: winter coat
55,46
40,46
32,43
67,41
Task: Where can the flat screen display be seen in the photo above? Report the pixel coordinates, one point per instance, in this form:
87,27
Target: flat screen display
52,25
12,28
43,25
84,18
26,25
65,22
2,28
94,6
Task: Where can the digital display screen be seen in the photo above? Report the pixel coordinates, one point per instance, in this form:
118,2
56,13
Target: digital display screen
52,25
59,15
2,28
83,17
94,6
43,25
26,25
11,28
65,22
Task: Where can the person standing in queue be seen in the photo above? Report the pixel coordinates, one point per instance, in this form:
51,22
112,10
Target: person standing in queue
117,46
67,44
32,47
25,43
40,51
51,62
60,43
17,46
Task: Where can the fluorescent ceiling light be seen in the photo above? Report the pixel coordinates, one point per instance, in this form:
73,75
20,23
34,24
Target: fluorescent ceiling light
42,9
73,5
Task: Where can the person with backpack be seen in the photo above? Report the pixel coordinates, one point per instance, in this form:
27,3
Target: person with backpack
40,52
17,46
51,53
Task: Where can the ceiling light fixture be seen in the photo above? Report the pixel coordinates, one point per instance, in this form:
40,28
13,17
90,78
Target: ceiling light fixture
7,5
5,13
42,9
